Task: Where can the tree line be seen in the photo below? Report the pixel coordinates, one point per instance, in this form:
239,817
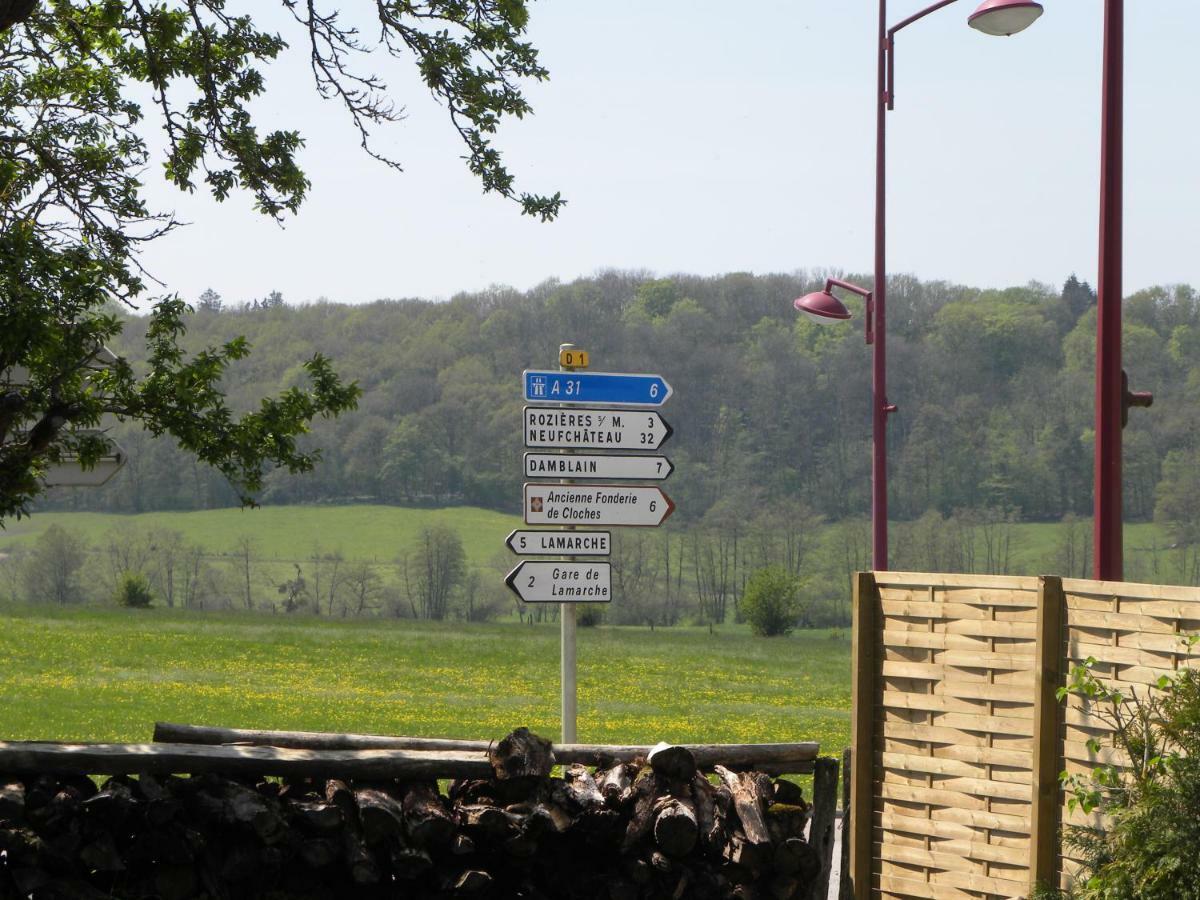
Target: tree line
994,389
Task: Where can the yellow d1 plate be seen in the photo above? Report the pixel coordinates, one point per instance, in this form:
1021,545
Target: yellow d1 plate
573,359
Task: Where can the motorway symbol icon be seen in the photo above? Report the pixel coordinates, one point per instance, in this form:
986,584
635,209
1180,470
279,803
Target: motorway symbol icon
559,543
606,388
561,582
595,429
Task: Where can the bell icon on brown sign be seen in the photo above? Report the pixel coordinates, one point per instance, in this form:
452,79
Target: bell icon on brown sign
535,504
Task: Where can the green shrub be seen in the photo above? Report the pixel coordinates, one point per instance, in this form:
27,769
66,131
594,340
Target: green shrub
771,603
1150,844
134,591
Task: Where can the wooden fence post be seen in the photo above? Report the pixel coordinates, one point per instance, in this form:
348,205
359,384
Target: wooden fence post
823,823
1048,675
845,885
864,684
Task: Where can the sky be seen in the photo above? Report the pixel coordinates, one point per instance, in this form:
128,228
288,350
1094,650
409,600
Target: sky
706,137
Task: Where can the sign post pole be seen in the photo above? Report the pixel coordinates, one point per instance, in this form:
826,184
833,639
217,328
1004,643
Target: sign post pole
567,617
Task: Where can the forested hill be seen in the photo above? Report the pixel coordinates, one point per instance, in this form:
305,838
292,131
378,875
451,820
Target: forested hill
770,409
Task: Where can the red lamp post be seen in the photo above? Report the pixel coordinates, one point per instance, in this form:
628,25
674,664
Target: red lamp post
997,17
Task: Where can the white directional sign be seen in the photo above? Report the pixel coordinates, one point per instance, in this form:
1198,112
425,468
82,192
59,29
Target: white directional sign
596,465
69,473
560,543
559,582
596,504
595,429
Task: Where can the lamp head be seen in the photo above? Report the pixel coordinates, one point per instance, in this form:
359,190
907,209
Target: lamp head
823,306
1004,17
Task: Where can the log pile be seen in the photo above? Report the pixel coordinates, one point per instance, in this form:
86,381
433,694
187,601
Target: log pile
655,827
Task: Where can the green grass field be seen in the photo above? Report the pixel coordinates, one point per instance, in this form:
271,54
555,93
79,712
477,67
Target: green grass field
94,674
283,533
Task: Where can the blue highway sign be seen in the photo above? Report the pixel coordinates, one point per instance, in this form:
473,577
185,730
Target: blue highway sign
609,388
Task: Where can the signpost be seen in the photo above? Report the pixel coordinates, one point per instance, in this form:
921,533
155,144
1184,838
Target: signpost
561,582
596,504
595,465
595,429
559,543
585,411
608,388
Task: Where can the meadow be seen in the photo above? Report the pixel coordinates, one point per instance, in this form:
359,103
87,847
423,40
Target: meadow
109,674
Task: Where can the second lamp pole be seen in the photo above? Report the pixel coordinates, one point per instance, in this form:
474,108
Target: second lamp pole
997,17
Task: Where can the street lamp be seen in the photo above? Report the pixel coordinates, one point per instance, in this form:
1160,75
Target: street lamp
998,17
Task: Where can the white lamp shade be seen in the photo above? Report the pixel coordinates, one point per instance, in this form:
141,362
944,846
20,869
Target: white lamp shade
1005,17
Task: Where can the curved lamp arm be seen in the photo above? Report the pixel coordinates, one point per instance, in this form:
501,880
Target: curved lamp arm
890,47
868,296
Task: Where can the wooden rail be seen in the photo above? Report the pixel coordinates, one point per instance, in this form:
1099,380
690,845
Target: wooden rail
17,757
774,759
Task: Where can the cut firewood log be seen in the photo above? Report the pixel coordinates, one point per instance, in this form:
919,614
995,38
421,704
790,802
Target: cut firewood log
317,853
381,814
111,807
711,834
426,821
462,845
615,781
490,820
580,789
644,791
674,763
795,856
675,826
786,821
362,866
748,802
12,802
315,817
472,882
101,855
521,754
788,792
409,863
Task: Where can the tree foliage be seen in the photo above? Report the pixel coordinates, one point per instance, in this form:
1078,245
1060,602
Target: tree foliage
771,602
1146,850
73,155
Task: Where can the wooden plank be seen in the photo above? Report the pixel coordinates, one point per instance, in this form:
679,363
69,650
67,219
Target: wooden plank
927,579
912,793
967,753
846,885
922,638
939,735
1046,716
864,668
1156,609
823,822
942,703
1081,752
969,848
1018,725
1125,589
1171,643
957,871
942,829
130,759
968,776
898,886
776,759
944,611
1127,656
974,819
1119,621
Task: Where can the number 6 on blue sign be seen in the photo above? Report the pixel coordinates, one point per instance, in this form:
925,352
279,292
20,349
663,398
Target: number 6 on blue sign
609,388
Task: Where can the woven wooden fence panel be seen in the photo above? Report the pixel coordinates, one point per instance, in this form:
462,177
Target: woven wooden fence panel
953,735
1136,634
954,695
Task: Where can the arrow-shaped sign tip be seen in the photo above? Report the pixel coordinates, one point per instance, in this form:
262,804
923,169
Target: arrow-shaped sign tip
511,579
670,506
